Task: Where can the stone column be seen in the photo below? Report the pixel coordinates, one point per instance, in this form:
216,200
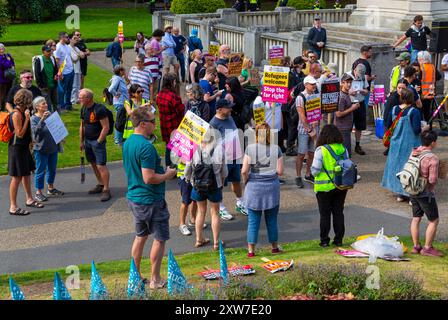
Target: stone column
287,20
397,14
296,44
229,16
252,45
157,22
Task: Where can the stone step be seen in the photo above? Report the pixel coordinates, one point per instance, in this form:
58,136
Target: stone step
360,37
377,32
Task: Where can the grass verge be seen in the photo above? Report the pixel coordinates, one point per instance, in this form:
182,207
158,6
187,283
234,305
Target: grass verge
400,278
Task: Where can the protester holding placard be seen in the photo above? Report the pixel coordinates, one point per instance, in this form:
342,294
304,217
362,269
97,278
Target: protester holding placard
208,87
307,130
235,96
196,103
171,110
344,115
262,166
45,151
20,161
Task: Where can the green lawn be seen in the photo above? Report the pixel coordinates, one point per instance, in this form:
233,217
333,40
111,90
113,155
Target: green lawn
432,271
94,24
96,80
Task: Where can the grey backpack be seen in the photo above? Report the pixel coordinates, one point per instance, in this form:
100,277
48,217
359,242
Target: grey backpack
410,178
347,176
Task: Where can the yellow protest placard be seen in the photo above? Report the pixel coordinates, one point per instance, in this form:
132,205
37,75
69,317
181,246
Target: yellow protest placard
275,79
259,115
193,127
213,49
313,109
235,65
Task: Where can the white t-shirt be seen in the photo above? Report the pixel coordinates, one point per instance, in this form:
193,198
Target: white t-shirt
63,51
358,85
445,61
75,57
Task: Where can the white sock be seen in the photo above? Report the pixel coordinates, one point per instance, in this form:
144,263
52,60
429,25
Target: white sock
222,206
239,201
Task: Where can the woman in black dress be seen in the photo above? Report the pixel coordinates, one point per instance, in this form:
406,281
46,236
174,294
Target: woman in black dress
20,161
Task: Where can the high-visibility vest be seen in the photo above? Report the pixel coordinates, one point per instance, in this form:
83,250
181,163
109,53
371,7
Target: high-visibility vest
394,77
129,128
428,77
180,169
253,1
322,182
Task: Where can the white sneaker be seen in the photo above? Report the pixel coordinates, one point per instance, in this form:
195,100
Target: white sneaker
184,230
192,224
358,177
225,215
400,199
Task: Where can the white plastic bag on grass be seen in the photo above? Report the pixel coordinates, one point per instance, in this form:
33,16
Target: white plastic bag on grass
379,246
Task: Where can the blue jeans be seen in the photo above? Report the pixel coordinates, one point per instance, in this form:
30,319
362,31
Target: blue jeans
253,224
181,58
45,163
118,136
414,54
65,87
115,62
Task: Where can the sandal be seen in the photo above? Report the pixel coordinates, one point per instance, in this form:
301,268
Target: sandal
19,212
216,245
160,285
35,204
202,243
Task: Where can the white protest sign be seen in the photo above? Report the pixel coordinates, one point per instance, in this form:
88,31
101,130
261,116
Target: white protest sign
56,127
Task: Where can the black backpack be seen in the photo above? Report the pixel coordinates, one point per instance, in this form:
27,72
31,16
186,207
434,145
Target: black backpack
293,109
204,178
122,118
108,97
249,96
110,116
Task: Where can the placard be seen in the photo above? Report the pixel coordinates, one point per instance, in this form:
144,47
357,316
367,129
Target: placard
275,55
213,49
275,84
259,114
56,127
235,65
254,77
313,108
186,139
277,265
330,92
379,94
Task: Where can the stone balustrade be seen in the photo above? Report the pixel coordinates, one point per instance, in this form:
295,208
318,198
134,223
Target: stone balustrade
233,36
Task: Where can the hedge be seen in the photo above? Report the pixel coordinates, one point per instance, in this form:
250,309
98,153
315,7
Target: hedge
196,6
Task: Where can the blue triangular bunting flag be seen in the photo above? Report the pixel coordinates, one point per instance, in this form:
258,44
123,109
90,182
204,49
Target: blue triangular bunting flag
60,292
177,283
223,264
98,290
136,286
16,293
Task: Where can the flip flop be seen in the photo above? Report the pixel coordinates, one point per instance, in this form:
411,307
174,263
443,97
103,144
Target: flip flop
202,243
216,245
19,212
160,285
35,204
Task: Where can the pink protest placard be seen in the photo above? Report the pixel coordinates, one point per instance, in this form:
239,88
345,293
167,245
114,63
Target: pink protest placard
183,147
313,109
274,94
380,96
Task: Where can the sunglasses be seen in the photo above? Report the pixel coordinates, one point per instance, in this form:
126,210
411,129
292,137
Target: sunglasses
139,91
153,121
29,78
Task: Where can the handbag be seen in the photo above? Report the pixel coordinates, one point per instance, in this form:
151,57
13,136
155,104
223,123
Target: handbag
10,73
389,132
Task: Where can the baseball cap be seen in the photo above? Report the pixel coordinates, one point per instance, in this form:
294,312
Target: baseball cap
223,103
404,56
317,17
346,77
46,48
310,80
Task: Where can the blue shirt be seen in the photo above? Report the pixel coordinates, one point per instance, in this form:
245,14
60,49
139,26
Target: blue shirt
207,88
180,40
138,153
168,41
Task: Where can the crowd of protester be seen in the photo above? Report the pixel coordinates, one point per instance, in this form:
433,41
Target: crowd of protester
151,89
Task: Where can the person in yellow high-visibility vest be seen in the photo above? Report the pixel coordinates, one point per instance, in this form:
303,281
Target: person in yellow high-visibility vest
252,5
330,199
397,72
135,101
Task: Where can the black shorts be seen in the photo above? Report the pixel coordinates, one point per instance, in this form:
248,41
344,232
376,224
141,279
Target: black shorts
360,117
96,152
425,205
185,191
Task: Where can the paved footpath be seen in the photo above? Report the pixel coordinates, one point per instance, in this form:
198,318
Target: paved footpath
78,227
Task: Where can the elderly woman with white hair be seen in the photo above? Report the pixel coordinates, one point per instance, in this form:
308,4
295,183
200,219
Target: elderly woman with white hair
45,151
6,64
196,103
428,76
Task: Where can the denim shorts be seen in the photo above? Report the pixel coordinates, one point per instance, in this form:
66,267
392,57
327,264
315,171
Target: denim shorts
96,152
234,174
185,191
306,144
215,196
151,218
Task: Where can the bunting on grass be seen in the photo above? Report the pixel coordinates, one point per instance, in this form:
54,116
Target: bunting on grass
177,283
60,292
16,293
223,264
136,286
98,290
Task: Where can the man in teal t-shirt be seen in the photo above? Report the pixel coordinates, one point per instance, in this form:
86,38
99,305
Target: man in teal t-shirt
146,192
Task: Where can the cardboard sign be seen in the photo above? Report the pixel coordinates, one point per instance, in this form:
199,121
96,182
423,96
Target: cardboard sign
254,78
330,92
313,108
186,139
275,84
235,65
277,265
259,114
213,49
234,271
275,55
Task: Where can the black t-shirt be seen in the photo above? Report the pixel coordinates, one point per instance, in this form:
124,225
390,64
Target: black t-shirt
418,38
12,92
222,77
91,117
83,62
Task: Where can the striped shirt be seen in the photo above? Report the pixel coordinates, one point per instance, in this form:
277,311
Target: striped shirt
142,78
152,64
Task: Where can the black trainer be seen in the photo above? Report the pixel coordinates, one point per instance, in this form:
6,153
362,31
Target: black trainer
359,150
309,178
324,244
299,182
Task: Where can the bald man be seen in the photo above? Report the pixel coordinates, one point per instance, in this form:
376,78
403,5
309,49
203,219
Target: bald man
222,65
92,137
